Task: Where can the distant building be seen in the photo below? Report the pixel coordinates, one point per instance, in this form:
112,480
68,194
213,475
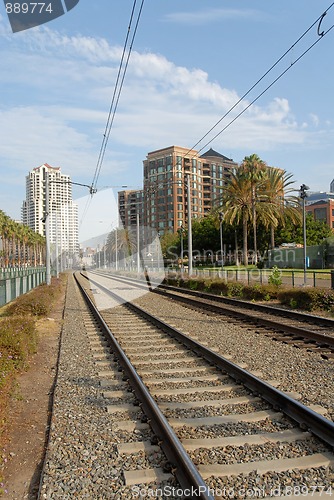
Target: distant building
130,203
162,204
63,212
322,210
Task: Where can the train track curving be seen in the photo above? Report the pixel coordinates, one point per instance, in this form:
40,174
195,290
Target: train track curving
214,420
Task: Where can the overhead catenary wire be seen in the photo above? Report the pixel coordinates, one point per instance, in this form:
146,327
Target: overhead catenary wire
117,92
318,20
113,105
266,89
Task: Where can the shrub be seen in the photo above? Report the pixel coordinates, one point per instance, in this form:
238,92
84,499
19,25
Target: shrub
275,278
216,286
36,303
235,289
259,292
308,299
17,340
293,303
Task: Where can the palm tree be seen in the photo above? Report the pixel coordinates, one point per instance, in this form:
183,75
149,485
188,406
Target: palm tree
26,239
121,241
241,203
237,205
4,221
9,241
254,169
285,206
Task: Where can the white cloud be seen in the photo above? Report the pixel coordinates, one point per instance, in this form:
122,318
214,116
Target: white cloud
212,15
64,85
315,119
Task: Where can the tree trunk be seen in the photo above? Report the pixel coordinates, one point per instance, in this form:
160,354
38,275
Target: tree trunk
272,236
254,225
237,263
245,248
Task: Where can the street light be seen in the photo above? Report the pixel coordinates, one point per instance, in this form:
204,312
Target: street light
303,196
98,255
221,218
46,219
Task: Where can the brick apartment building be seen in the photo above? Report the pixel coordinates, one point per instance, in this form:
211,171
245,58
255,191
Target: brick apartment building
162,203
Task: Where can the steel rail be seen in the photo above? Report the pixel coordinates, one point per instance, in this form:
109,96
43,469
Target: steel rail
324,340
186,472
255,307
277,311
304,416
301,333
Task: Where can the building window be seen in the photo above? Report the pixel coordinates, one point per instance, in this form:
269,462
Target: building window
320,214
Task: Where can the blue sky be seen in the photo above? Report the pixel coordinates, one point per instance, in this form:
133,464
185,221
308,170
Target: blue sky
191,61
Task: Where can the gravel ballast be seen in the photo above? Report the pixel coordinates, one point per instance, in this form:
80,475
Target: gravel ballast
295,369
82,460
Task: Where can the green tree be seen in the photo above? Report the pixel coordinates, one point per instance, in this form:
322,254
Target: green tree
284,205
205,234
316,232
170,245
254,169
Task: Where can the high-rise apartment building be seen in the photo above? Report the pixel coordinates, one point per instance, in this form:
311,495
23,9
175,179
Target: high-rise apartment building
164,199
130,203
62,211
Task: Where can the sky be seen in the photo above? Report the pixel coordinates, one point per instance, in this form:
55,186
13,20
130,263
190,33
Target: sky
190,63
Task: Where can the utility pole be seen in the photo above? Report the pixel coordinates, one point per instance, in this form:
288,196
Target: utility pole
303,195
47,230
116,249
138,242
190,238
221,218
181,230
57,263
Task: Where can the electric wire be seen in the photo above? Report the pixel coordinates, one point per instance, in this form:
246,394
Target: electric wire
318,20
111,113
266,89
116,95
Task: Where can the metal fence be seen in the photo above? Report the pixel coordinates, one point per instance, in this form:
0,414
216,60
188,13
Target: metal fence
17,281
289,277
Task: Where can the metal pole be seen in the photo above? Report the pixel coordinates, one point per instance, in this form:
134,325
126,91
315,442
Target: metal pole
158,251
47,230
221,216
181,230
57,263
138,243
104,254
190,238
303,195
116,249
304,236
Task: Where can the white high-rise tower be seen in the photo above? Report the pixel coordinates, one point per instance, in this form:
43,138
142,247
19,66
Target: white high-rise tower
62,211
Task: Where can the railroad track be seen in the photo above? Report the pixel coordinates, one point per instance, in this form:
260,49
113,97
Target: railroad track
305,331
234,426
